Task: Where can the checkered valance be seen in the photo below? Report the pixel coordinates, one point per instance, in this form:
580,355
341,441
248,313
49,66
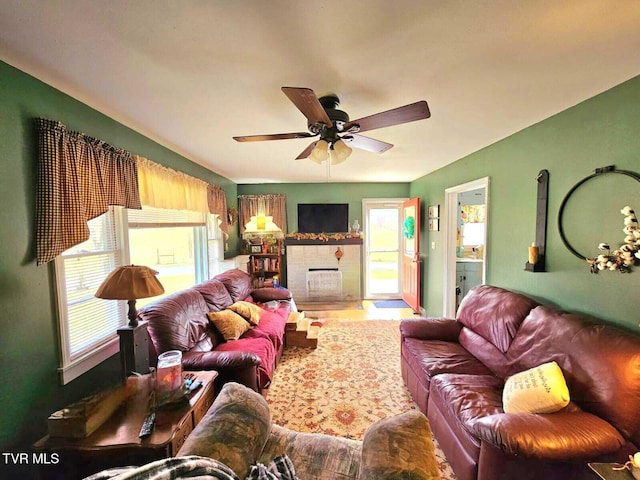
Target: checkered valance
217,201
271,204
78,178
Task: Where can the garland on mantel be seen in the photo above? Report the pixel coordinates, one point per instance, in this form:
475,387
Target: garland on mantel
323,237
627,255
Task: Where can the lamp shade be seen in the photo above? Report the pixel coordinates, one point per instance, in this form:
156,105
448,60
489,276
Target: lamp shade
340,152
254,226
130,282
320,152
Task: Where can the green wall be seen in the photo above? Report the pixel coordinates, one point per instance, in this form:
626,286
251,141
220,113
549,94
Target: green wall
601,131
29,339
351,193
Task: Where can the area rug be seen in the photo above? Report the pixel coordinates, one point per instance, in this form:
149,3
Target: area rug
391,304
349,381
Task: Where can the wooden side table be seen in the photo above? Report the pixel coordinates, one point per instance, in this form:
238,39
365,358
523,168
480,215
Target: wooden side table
116,442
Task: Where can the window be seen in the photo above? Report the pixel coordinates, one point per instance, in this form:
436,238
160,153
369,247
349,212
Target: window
176,243
88,324
172,242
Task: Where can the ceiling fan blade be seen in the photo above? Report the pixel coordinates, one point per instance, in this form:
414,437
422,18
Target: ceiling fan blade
306,152
275,136
366,143
307,102
396,116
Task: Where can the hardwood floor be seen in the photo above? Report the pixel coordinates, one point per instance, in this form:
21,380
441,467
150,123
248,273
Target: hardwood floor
367,312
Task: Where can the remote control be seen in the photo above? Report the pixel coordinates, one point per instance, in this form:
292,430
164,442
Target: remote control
147,426
195,385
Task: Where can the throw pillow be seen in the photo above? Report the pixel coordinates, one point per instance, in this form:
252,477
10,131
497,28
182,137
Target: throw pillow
229,324
267,294
538,390
249,311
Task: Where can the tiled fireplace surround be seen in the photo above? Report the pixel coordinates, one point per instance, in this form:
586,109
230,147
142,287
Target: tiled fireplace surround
306,255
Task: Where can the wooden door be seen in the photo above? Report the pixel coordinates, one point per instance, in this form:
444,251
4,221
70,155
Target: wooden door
411,253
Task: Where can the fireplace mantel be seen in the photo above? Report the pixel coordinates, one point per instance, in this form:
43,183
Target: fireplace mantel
317,241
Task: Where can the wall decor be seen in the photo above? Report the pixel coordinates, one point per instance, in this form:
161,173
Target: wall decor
434,211
537,249
232,215
434,224
629,253
409,227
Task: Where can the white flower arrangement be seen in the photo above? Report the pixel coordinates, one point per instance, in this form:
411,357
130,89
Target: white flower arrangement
627,255
633,465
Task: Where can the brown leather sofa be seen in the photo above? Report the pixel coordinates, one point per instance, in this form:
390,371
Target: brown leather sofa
179,322
455,370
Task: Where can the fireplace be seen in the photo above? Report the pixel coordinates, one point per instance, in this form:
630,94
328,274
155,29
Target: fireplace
315,273
324,284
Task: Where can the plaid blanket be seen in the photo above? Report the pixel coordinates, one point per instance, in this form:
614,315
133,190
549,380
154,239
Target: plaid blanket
280,468
176,468
198,468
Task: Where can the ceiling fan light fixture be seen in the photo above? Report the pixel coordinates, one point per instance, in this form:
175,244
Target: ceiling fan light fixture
339,152
320,152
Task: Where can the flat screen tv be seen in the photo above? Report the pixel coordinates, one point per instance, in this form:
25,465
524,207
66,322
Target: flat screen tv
323,217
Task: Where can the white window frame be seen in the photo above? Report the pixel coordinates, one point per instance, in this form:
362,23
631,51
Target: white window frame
72,367
209,242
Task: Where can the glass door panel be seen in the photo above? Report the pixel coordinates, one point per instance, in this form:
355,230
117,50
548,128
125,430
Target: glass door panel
382,250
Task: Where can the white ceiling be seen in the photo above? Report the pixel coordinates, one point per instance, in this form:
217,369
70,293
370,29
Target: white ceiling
191,74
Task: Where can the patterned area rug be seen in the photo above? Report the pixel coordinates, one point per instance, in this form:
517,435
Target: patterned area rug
351,380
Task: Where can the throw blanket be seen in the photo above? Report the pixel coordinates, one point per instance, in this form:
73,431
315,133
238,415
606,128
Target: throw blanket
198,468
192,467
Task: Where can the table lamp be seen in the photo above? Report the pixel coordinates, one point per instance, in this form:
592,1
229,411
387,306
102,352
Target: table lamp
129,283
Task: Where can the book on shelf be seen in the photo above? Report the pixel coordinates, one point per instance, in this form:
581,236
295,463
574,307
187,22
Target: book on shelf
265,264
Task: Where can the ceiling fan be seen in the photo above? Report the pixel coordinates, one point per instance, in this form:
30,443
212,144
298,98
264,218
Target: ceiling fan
337,133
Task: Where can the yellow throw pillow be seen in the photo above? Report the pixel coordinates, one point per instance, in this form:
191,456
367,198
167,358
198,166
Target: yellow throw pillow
538,390
249,311
229,324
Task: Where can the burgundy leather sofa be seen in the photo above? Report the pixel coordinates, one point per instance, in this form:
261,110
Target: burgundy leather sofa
455,370
179,322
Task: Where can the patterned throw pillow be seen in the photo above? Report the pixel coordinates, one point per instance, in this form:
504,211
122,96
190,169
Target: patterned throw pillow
538,390
249,311
229,324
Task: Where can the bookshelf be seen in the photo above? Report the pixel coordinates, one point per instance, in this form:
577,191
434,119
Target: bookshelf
263,267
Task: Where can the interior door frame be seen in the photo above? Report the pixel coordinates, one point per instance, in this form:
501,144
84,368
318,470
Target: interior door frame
451,217
367,204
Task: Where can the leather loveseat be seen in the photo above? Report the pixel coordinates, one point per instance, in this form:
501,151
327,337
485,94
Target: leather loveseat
456,371
181,322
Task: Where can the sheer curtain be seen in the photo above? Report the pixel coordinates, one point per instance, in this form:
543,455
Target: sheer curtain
274,205
163,187
78,178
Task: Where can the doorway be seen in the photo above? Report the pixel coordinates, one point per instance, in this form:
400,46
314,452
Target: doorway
382,242
467,220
